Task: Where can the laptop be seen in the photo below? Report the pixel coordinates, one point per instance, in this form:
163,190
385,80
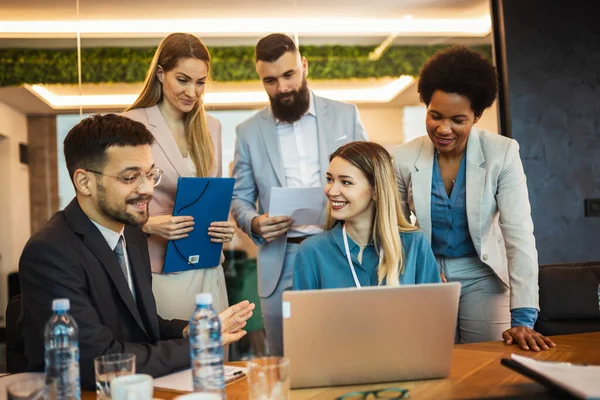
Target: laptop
368,335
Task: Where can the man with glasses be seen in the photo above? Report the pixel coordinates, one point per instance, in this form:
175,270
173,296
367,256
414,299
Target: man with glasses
94,253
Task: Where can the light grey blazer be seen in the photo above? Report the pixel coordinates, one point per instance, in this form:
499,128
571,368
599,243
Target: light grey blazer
259,167
498,209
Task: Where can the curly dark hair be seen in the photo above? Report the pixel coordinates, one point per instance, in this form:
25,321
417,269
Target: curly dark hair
461,70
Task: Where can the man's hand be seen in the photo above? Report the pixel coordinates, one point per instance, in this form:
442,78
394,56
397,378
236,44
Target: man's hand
269,228
527,338
233,320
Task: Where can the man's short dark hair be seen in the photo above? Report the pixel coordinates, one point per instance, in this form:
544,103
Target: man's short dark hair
86,143
273,46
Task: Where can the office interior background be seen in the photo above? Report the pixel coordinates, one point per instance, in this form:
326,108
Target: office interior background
63,60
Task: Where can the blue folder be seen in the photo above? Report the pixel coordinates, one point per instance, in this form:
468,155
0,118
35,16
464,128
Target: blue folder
207,200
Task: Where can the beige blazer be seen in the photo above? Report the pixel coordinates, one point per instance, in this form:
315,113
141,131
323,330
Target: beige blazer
498,209
167,157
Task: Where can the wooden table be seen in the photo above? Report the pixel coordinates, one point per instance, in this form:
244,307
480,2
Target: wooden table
476,373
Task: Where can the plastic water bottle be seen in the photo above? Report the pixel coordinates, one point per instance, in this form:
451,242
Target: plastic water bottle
206,348
61,337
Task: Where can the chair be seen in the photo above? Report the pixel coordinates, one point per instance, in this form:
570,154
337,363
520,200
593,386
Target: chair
569,298
15,344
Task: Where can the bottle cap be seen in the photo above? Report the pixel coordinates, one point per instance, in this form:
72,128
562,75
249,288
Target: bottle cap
204,299
61,305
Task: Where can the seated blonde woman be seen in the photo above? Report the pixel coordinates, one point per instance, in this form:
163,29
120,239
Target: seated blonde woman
368,241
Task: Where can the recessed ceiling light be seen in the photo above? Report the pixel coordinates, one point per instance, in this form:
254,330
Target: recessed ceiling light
232,27
373,94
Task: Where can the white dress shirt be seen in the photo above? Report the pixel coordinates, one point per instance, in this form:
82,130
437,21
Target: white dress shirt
299,147
112,238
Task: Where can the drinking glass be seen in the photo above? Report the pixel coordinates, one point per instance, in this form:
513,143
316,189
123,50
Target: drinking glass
35,388
110,366
269,378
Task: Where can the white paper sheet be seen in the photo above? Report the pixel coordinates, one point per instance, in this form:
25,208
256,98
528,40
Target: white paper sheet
580,380
182,380
304,205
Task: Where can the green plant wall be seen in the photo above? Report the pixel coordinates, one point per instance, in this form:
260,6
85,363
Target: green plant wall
105,65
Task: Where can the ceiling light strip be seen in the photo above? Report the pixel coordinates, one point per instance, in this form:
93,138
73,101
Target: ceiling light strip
479,26
380,94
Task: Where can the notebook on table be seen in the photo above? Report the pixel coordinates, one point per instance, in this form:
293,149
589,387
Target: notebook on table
581,381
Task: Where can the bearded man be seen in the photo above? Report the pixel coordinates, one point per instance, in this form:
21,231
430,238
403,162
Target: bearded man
287,144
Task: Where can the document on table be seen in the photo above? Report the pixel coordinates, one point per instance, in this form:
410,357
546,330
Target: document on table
579,380
304,205
182,380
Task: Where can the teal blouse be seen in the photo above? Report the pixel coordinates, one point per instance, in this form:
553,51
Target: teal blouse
321,262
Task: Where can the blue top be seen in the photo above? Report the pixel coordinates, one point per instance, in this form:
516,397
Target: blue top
450,235
321,261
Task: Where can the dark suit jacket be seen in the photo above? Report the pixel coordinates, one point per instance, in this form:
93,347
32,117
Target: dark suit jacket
69,258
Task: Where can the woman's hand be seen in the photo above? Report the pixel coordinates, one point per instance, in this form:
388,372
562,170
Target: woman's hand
527,338
169,227
221,232
233,320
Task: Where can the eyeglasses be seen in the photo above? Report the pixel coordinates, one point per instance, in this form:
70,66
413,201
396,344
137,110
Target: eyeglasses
136,178
389,393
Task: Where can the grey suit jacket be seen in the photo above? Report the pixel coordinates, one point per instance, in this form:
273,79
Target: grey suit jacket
498,209
258,167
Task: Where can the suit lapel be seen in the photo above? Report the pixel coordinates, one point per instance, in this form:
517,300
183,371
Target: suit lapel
268,130
93,240
421,186
143,288
165,140
475,184
324,140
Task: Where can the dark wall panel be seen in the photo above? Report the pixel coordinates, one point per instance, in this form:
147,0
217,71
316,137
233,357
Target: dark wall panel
553,70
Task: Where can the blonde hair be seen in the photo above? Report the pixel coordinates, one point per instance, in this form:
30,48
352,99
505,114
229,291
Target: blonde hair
376,163
170,51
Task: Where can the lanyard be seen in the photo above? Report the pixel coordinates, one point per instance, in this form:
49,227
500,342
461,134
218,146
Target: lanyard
356,282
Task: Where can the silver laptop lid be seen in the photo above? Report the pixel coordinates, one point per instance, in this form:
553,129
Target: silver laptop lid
367,335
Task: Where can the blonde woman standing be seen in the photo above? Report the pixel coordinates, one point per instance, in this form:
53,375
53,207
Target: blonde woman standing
368,241
188,143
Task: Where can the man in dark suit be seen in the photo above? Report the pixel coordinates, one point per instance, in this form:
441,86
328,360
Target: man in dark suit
94,253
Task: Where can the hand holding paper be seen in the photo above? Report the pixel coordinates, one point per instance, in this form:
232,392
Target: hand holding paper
269,228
